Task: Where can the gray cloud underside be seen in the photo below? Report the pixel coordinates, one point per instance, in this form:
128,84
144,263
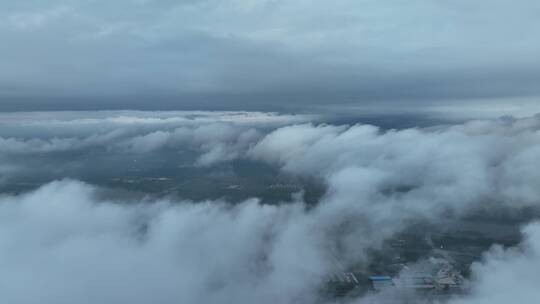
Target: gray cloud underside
264,53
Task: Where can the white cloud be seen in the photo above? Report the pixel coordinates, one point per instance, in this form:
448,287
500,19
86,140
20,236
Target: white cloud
380,180
508,275
453,166
217,136
67,246
60,245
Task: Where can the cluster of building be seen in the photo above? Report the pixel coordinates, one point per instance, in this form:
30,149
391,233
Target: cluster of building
435,275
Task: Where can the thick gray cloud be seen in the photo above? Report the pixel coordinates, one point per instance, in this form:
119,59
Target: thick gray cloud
264,53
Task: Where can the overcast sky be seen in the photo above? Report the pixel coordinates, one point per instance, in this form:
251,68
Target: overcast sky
261,54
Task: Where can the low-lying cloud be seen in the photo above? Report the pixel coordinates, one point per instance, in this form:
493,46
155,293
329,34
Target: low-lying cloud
507,275
60,245
64,244
217,136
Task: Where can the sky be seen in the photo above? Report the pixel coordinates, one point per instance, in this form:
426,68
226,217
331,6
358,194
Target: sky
268,54
449,95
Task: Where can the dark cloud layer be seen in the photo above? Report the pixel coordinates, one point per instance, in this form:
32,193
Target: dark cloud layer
260,54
